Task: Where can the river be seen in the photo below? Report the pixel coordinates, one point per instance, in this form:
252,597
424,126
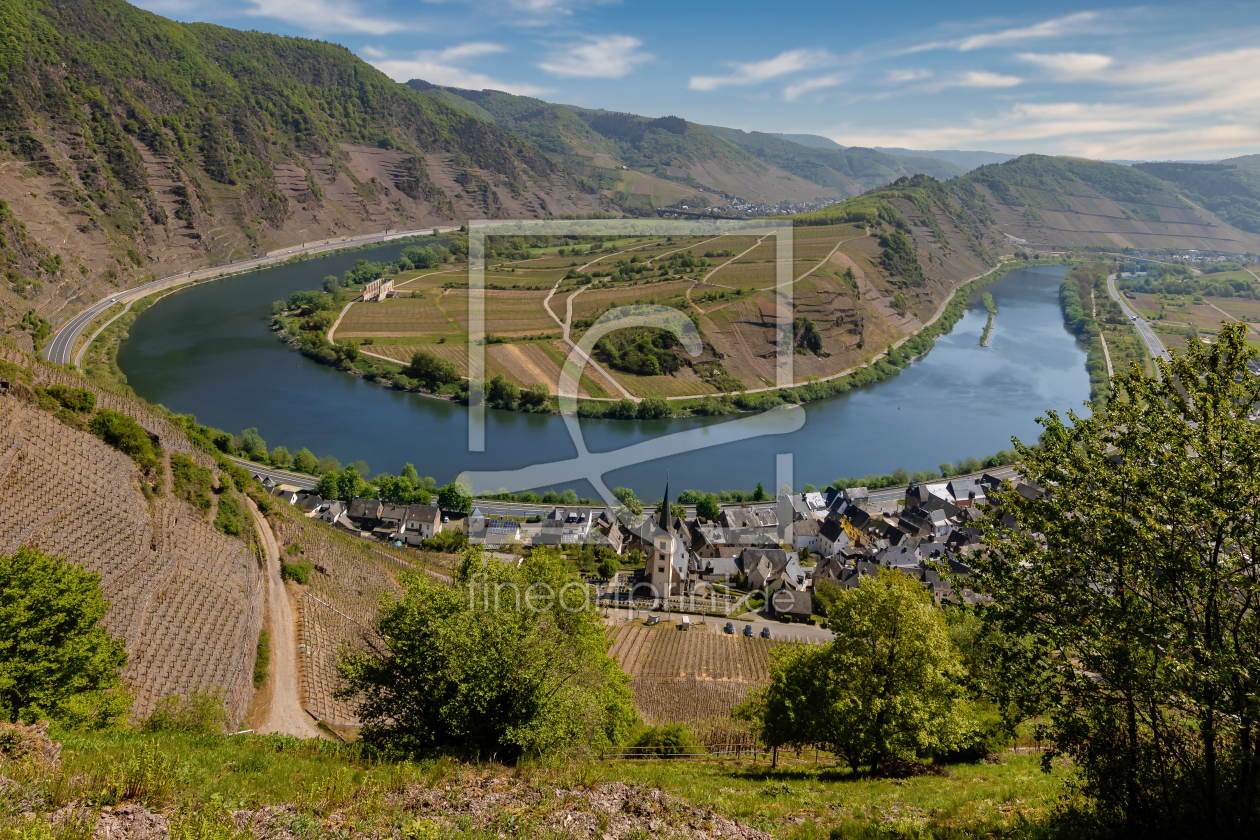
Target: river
208,351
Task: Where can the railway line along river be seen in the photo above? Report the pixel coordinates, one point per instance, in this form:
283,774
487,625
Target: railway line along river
208,350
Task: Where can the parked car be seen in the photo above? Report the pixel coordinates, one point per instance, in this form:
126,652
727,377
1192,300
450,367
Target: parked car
765,632
730,628
748,631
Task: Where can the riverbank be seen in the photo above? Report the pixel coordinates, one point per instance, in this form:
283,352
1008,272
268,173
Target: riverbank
991,308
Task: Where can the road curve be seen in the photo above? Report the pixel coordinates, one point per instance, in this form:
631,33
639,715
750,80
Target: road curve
61,349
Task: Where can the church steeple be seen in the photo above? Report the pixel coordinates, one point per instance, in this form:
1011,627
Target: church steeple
667,518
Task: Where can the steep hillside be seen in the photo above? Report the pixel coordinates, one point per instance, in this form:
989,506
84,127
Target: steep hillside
669,159
130,144
1232,193
849,171
1066,202
186,596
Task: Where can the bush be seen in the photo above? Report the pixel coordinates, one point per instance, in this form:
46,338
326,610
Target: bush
296,572
200,713
127,436
230,519
667,741
263,659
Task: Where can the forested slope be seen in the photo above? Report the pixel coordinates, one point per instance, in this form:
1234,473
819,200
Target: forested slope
131,144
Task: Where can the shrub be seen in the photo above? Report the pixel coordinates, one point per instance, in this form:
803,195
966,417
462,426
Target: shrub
296,572
667,741
263,659
127,436
200,713
230,518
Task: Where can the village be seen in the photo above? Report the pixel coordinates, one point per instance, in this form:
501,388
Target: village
771,559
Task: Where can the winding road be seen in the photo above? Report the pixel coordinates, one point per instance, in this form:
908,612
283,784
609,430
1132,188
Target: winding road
61,349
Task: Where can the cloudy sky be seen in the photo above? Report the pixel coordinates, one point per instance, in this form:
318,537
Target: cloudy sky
1158,81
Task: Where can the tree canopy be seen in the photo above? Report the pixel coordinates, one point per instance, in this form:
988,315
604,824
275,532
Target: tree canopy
1134,577
888,685
507,661
56,660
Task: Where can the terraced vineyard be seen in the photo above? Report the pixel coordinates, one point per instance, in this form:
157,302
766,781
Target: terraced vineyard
187,599
348,578
694,678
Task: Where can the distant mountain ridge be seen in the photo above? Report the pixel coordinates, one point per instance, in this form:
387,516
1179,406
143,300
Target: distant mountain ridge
965,159
814,141
673,159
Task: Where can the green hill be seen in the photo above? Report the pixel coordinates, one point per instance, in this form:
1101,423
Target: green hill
1044,203
134,143
1057,202
1232,193
1244,162
838,168
814,141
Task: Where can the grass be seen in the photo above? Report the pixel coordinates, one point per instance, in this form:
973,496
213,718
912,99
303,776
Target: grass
337,790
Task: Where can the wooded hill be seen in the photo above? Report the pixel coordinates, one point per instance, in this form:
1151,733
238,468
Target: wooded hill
130,143
673,159
1057,202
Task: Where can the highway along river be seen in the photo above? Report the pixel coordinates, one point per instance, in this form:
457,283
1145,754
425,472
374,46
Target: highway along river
209,351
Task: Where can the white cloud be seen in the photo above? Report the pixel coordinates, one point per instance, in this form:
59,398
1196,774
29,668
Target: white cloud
598,57
372,52
1055,28
794,91
1070,66
325,16
750,73
441,67
907,75
973,79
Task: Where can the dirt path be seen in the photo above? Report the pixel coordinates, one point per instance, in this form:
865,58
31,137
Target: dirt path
285,715
1251,327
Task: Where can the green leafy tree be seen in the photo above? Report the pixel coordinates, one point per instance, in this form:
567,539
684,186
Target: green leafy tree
454,498
759,495
55,657
654,408
252,443
887,686
327,486
503,393
1136,580
351,485
473,669
327,464
536,396
280,457
409,474
609,565
627,498
431,370
707,508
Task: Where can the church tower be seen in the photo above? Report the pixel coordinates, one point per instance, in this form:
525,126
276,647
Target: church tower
667,572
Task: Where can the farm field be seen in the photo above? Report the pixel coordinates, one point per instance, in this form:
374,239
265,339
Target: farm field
856,308
694,678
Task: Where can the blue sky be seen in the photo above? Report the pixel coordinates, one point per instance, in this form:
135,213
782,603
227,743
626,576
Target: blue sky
1158,81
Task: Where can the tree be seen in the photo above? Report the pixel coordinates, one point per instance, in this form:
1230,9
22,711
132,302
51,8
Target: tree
887,686
431,370
759,495
654,408
331,284
675,509
536,396
280,456
707,507
502,392
409,473
1136,580
627,498
478,670
304,461
454,498
609,565
55,658
327,486
327,464
350,484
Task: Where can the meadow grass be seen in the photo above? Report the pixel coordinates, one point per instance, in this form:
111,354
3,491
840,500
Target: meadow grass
803,798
